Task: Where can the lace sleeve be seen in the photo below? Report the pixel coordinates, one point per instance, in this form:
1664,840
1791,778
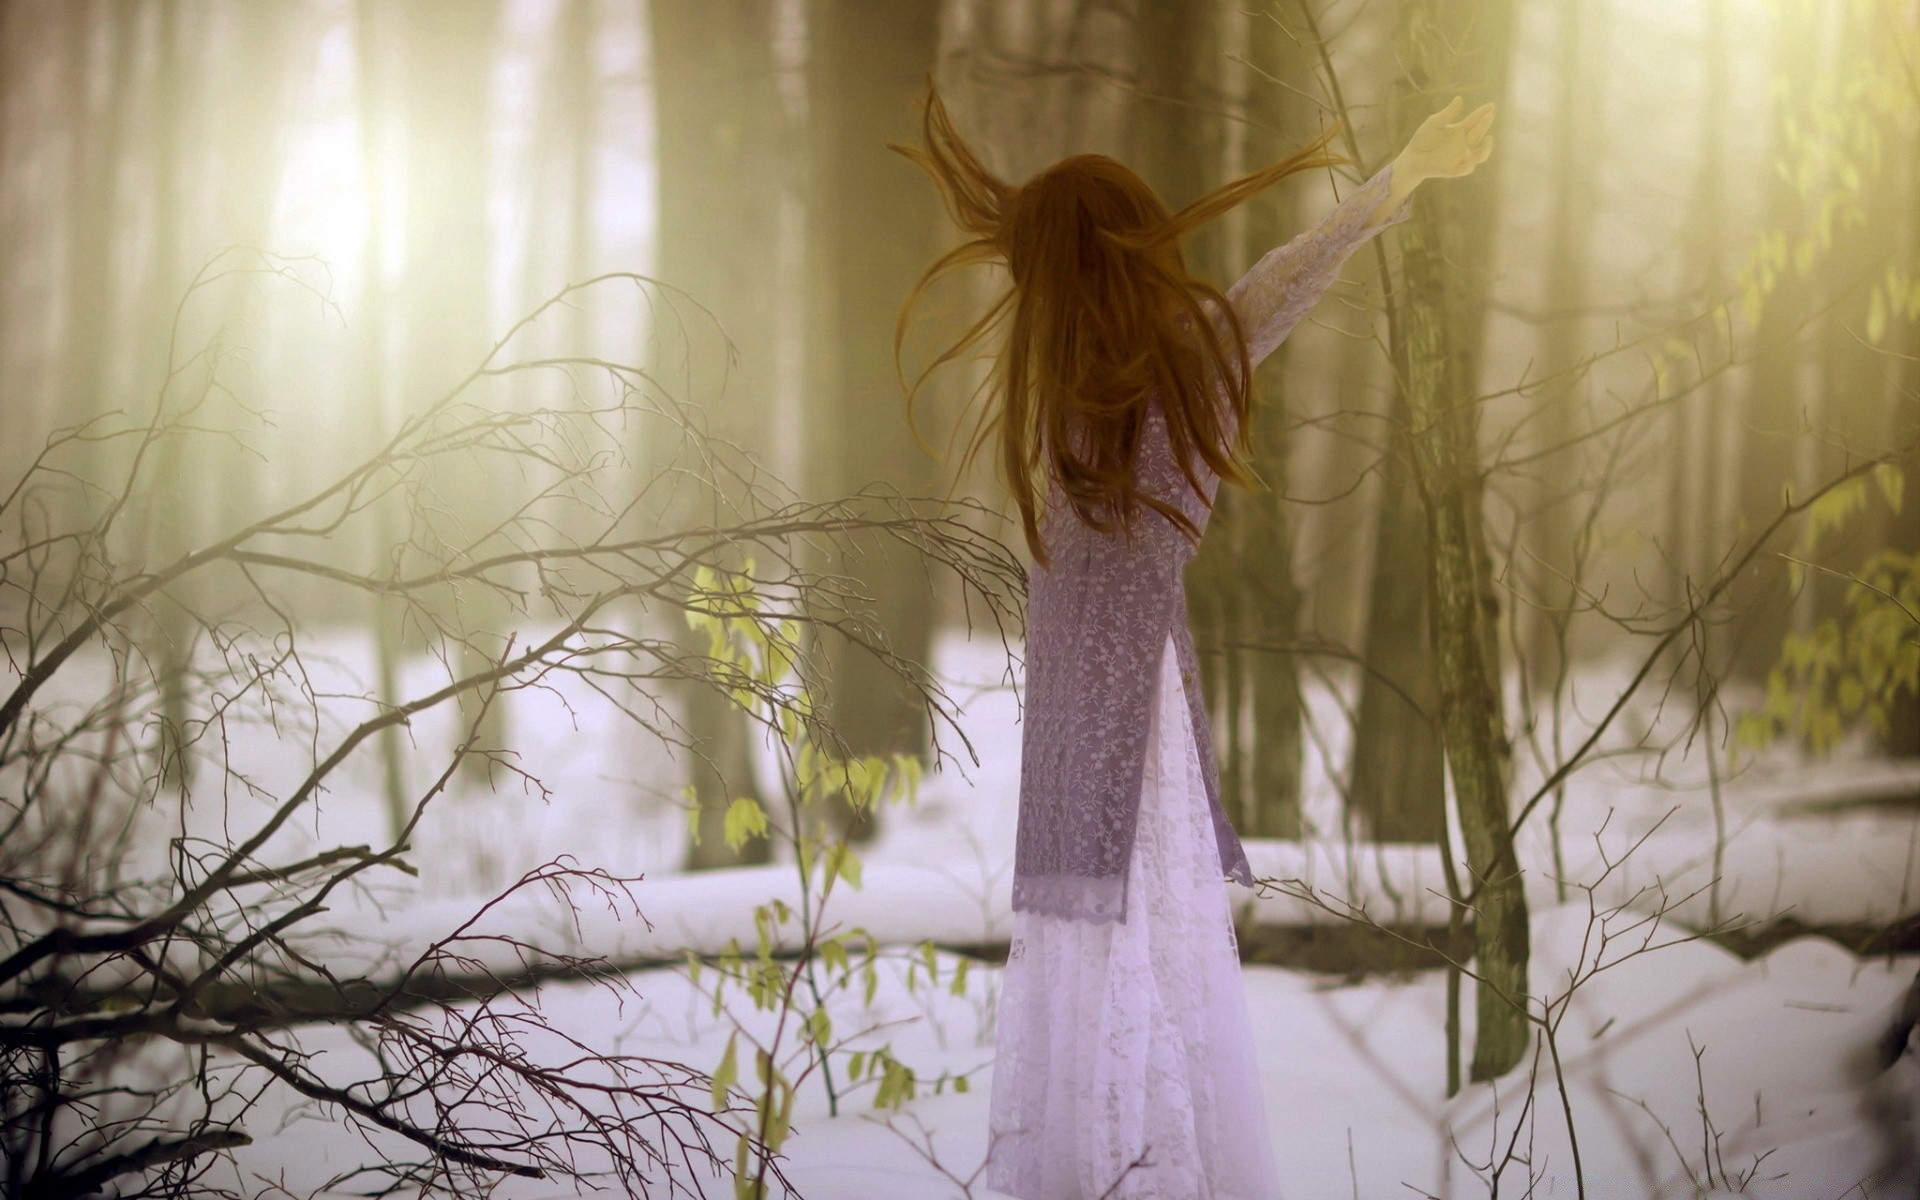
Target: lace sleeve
1271,298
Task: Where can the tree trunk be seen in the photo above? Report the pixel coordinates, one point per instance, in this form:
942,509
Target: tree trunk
1241,592
1771,432
872,219
173,516
718,122
386,614
1262,670
1562,496
1436,343
1903,725
94,165
1397,788
1397,783
444,56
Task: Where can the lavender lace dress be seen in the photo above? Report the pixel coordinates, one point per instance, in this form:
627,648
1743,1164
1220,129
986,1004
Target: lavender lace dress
1124,1062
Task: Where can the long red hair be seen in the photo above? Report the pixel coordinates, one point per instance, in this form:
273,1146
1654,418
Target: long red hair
1102,309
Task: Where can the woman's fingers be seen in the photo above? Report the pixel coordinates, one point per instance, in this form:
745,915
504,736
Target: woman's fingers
1444,117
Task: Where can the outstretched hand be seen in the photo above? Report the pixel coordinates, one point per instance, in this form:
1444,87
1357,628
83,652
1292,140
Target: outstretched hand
1446,148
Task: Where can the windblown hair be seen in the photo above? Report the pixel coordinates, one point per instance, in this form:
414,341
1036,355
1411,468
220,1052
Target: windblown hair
1104,318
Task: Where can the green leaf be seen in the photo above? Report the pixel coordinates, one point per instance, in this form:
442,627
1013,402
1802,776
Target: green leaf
842,861
725,1073
833,952
908,769
745,819
782,1116
959,985
745,1187
693,812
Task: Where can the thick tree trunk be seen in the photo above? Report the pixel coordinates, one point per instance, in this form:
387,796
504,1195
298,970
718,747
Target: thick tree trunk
1436,354
718,140
872,219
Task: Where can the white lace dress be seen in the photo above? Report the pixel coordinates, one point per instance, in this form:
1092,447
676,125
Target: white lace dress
1132,1041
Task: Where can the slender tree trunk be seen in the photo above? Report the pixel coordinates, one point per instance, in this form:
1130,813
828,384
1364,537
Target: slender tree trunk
873,219
95,158
1563,418
1771,430
1397,783
719,219
1241,592
386,614
1698,470
173,517
1261,673
1858,381
444,55
1435,352
1903,726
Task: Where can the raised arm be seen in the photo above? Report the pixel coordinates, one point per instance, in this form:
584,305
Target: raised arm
1271,298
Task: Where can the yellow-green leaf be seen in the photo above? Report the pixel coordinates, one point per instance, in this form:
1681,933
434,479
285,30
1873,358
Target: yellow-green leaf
842,861
833,952
745,819
725,1074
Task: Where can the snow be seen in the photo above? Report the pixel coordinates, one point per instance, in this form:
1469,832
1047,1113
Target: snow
1355,1079
1354,1071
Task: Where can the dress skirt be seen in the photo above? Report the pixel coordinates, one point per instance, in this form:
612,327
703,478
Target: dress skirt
1131,1042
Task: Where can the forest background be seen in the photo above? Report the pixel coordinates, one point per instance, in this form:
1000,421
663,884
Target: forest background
1605,456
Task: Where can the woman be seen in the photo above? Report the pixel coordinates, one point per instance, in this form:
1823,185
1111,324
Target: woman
1124,1063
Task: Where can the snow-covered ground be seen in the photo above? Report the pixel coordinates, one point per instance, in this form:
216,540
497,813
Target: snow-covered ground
1355,1081
1688,1071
